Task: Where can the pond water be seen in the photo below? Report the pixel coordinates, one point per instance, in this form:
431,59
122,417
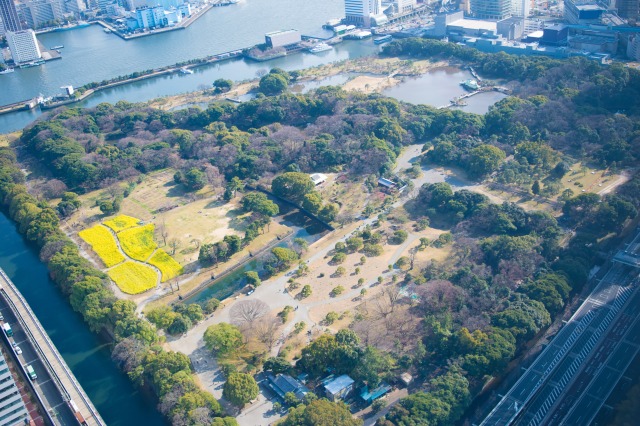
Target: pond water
439,86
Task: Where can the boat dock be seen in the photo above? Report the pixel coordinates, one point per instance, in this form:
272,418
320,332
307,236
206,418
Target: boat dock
459,100
55,386
19,106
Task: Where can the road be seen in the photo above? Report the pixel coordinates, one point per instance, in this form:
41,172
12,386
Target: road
55,386
571,379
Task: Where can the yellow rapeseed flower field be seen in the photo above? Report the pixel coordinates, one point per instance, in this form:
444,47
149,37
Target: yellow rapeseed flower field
122,222
133,278
103,243
138,242
169,267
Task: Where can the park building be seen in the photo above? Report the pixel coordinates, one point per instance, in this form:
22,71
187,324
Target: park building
12,408
23,46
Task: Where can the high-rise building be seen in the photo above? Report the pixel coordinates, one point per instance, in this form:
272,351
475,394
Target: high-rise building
521,8
40,13
12,408
628,9
23,46
403,6
359,12
491,9
9,15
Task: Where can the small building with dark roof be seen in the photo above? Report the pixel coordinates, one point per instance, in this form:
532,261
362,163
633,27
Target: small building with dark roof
283,384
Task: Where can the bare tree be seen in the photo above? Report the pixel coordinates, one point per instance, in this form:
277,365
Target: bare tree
196,243
174,243
162,230
385,303
266,331
247,312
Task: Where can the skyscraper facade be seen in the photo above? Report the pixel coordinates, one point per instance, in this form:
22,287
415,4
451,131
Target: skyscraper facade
9,16
359,12
23,46
491,9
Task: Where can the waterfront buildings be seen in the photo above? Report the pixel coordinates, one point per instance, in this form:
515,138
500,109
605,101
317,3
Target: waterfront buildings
12,408
282,38
23,46
491,9
40,13
362,12
9,16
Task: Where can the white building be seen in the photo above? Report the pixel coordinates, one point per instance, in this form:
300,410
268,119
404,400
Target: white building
282,38
520,8
360,12
403,6
150,17
23,46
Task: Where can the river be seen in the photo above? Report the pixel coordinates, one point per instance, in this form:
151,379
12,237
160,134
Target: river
119,402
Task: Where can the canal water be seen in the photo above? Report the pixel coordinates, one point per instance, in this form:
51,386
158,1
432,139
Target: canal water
89,54
119,402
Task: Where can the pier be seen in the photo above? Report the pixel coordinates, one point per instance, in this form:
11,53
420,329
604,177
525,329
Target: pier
56,387
459,100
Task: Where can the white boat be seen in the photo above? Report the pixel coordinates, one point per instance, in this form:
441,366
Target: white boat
7,71
320,47
184,70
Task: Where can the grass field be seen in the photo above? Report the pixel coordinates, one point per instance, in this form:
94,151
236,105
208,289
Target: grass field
104,244
122,222
169,267
138,242
133,278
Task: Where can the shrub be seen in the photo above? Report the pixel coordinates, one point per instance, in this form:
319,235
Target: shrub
337,291
331,317
306,291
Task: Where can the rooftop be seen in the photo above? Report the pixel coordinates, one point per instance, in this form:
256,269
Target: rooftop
475,24
339,383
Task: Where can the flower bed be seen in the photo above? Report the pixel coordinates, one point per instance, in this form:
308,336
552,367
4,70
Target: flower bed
133,278
138,242
169,267
122,222
104,244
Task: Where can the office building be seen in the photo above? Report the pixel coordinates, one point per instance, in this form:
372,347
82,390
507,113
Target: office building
12,408
581,12
23,46
633,47
9,16
40,13
150,17
491,9
362,12
521,8
628,9
404,6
